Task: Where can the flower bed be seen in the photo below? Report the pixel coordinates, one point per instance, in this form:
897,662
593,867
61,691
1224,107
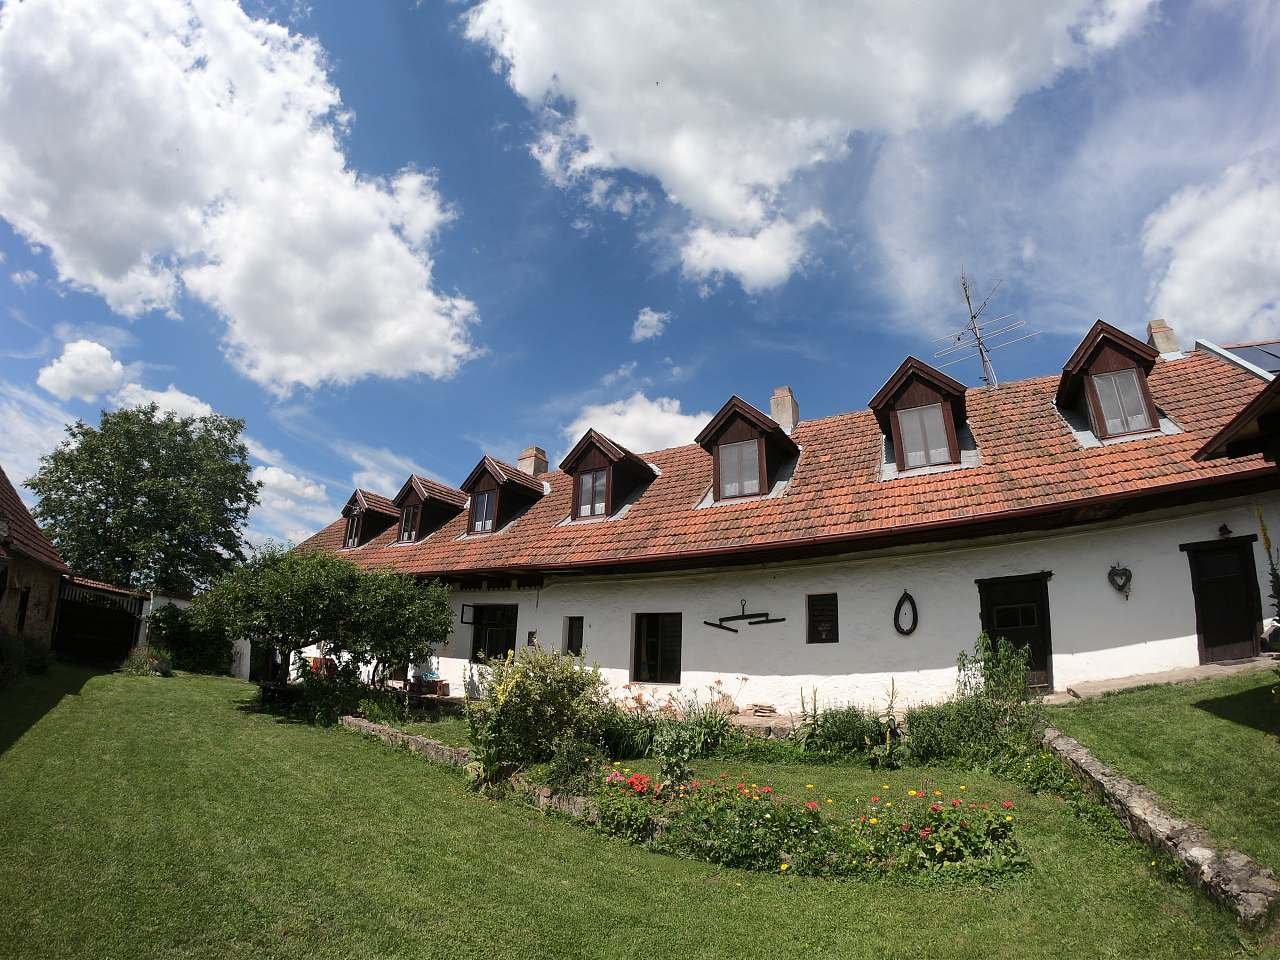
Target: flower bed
750,826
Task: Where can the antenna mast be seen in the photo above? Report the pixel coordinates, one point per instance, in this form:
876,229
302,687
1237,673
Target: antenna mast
975,336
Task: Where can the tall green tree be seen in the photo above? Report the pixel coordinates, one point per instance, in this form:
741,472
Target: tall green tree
147,499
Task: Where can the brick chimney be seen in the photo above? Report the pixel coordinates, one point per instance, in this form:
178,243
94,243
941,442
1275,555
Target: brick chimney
1161,336
784,409
533,460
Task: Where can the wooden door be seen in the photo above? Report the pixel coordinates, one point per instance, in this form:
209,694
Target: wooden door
1224,583
1017,608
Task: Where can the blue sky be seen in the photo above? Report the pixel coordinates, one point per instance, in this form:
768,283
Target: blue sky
397,236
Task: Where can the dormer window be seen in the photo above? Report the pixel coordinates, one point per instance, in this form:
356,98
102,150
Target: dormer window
749,451
922,413
369,515
592,489
606,476
499,494
1106,378
409,523
739,468
483,508
1121,403
924,436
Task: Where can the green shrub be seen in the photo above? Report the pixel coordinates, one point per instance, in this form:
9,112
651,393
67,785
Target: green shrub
837,731
388,707
573,767
527,701
962,732
192,645
627,734
324,695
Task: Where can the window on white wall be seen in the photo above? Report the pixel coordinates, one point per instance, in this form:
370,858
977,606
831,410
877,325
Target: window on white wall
656,658
573,636
824,625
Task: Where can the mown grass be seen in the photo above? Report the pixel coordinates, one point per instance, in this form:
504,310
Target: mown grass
450,730
159,818
1210,750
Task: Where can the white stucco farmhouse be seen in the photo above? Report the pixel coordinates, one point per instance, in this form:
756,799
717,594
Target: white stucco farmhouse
777,555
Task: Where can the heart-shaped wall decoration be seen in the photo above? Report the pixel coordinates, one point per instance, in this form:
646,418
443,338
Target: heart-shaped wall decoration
1120,578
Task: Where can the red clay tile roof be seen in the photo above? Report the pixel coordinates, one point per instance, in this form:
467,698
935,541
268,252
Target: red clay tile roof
430,490
377,502
105,587
1031,465
505,473
25,537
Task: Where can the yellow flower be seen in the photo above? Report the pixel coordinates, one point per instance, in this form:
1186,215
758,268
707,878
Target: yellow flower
626,769
884,786
889,803
829,800
617,763
808,786
938,847
753,786
1008,819
784,866
963,787
937,793
873,821
911,793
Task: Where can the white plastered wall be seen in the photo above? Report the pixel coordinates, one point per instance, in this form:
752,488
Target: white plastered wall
1096,632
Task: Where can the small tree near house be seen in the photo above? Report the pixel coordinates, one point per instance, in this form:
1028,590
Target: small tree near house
289,600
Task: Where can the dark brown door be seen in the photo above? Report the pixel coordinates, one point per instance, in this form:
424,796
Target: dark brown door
1017,608
1224,583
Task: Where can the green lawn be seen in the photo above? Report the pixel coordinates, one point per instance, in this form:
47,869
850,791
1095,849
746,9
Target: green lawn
159,818
1210,750
450,730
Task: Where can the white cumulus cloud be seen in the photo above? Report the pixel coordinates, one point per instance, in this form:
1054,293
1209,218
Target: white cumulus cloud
649,324
162,146
24,278
639,423
85,370
724,103
170,400
1215,249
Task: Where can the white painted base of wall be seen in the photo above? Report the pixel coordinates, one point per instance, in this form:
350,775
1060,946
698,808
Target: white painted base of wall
1097,633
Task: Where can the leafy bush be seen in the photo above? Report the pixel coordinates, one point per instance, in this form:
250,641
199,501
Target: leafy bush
627,734
749,826
389,707
991,717
573,765
326,695
193,646
527,701
839,730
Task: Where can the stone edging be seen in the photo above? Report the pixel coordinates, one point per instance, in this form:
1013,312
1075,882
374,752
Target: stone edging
544,798
1249,889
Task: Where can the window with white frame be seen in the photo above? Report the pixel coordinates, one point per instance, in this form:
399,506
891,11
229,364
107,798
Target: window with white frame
739,468
1124,410
923,433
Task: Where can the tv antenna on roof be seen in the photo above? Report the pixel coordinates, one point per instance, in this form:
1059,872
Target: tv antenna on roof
976,336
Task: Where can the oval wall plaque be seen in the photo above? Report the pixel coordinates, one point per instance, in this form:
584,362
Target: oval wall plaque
905,615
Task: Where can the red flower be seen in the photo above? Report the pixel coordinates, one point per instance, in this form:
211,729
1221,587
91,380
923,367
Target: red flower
955,803
875,799
924,832
906,827
1007,804
935,807
986,806
766,789
811,805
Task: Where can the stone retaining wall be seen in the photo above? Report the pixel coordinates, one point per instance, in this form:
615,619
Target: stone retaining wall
544,798
1230,877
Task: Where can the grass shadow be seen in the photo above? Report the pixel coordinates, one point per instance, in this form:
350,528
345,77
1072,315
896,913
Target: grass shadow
33,695
1256,707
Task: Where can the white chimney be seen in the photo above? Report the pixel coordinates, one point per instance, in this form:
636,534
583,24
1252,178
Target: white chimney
784,409
533,460
1161,336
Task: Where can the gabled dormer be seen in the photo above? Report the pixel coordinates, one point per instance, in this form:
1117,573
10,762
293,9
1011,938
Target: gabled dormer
499,493
425,506
748,450
922,412
368,514
606,476
1106,378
